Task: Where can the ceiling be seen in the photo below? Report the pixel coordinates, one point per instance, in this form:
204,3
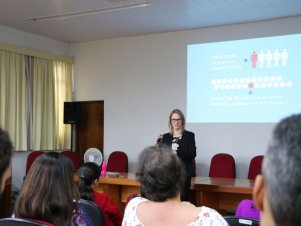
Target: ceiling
159,16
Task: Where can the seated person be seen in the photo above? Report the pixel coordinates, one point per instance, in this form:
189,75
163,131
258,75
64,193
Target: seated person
277,192
161,175
6,149
88,175
48,191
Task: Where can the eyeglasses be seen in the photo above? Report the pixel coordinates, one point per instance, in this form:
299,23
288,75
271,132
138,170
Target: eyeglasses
176,119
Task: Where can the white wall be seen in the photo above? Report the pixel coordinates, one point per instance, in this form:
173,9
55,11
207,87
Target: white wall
24,39
141,79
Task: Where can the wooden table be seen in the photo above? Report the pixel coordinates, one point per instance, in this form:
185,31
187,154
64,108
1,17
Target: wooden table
119,187
218,193
221,193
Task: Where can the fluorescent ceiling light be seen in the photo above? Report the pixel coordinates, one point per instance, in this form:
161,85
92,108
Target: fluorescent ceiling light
88,12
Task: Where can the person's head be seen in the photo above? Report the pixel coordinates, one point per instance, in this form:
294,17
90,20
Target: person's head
160,173
48,191
6,149
88,175
277,192
176,121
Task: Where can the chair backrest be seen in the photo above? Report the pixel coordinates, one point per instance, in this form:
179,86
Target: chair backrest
222,165
117,162
255,166
19,222
30,159
74,158
129,198
241,221
94,212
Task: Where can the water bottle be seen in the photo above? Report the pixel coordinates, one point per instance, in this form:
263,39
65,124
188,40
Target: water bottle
104,169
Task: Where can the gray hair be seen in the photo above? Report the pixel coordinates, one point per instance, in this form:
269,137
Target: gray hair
282,172
160,173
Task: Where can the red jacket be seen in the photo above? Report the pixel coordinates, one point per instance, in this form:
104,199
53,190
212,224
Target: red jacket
110,210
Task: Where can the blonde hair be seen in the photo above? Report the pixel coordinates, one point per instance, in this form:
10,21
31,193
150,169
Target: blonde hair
180,113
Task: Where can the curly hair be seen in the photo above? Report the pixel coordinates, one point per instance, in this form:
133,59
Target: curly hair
160,173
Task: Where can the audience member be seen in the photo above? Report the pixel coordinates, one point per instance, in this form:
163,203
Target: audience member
88,176
277,192
6,149
161,175
183,143
48,191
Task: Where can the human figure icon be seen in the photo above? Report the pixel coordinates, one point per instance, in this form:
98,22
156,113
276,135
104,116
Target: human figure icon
276,57
254,58
261,59
269,57
284,57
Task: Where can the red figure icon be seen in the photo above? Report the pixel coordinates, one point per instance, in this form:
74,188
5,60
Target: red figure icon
254,58
251,86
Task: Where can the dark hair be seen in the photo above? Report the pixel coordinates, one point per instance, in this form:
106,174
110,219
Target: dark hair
87,174
160,173
6,149
281,170
48,191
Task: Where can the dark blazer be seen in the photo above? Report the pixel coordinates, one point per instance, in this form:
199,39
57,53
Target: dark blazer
186,150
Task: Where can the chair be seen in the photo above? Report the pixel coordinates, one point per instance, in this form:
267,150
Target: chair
222,165
73,157
30,159
255,166
241,221
94,212
118,162
19,222
129,198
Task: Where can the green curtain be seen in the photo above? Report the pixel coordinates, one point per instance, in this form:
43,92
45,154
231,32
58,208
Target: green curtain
43,125
13,98
63,92
32,95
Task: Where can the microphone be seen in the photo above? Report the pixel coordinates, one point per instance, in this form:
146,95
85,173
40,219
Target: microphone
159,139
